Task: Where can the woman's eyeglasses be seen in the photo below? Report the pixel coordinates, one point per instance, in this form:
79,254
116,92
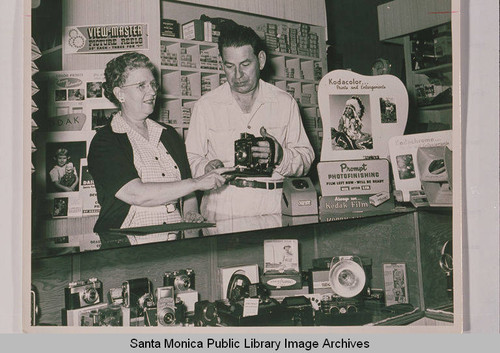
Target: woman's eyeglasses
143,86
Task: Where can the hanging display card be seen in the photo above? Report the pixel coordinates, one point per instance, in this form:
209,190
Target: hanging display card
403,150
75,100
105,38
360,114
353,187
88,193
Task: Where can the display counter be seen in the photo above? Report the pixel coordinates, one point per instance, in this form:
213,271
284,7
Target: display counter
410,237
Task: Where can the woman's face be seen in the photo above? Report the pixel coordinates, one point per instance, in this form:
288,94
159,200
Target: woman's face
138,94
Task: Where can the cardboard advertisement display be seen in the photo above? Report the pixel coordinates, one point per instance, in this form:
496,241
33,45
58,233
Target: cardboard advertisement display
403,150
360,114
74,100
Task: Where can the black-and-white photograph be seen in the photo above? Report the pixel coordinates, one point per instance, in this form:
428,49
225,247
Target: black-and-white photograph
388,110
406,168
60,207
61,95
76,94
63,165
169,208
94,89
352,123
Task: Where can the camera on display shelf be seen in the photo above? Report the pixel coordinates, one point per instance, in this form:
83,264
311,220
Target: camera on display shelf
297,311
246,163
138,295
169,311
181,280
206,314
110,315
83,293
332,304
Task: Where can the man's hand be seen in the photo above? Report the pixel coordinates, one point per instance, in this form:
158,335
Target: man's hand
213,164
263,150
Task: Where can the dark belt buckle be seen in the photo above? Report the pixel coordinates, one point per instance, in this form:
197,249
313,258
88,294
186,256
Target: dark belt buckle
271,186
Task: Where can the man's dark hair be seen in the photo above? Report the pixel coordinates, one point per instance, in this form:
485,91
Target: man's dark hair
234,35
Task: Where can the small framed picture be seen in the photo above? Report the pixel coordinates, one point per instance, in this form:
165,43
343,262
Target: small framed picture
395,283
281,255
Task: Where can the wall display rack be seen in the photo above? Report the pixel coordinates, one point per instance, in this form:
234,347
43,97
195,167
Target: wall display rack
427,52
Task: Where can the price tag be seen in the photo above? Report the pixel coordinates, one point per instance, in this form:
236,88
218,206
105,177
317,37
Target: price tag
250,307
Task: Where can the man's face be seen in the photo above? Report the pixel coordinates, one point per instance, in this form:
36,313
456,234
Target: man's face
242,67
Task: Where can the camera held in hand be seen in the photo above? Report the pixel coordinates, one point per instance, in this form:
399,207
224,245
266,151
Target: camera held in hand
248,165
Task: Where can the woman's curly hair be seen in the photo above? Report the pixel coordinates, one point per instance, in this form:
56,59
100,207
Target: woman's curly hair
117,71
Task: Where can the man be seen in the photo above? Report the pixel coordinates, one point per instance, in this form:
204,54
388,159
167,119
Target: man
246,104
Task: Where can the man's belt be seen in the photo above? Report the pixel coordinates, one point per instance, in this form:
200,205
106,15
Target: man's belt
243,183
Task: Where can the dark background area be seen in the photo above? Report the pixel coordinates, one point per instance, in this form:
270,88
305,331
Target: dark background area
354,38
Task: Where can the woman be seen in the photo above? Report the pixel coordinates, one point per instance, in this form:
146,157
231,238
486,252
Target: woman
140,168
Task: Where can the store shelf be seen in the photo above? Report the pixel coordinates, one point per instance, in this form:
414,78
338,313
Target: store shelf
436,106
439,68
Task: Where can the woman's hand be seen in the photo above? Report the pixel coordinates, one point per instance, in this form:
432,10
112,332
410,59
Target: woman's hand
193,217
212,179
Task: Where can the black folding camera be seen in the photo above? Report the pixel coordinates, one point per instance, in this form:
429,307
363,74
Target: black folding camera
245,163
205,314
138,294
298,311
80,294
181,280
231,313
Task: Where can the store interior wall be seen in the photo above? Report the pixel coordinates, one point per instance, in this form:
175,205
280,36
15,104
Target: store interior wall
354,41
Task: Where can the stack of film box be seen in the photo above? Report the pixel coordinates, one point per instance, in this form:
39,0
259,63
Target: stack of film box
206,85
293,40
186,86
187,59
271,36
208,61
210,32
215,33
290,72
187,108
291,90
303,40
169,28
168,58
167,118
318,71
313,45
222,80
283,43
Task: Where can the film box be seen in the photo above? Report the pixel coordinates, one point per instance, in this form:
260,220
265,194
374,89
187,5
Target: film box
193,30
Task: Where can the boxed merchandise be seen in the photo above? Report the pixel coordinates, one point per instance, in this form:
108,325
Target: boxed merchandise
193,30
169,28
